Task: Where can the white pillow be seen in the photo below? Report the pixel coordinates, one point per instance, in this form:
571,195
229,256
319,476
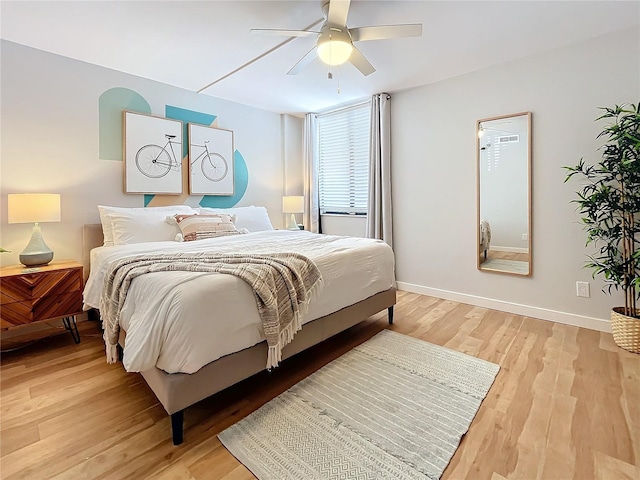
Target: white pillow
254,219
132,223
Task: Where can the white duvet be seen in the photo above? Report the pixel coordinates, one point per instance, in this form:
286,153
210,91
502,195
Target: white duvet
180,321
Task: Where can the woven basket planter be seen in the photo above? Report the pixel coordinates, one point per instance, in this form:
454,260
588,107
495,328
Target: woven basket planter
626,330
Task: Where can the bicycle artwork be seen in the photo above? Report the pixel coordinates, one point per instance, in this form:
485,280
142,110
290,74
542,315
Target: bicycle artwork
155,161
153,154
210,160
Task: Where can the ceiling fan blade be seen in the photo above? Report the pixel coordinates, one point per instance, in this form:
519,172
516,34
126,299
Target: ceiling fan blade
304,61
338,11
381,32
282,33
359,61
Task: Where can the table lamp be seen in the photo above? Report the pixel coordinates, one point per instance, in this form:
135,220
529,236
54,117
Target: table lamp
34,208
292,205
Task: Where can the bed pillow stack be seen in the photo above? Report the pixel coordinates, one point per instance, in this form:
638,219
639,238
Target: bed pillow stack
124,226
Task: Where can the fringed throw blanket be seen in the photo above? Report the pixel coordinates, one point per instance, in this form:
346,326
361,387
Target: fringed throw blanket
282,283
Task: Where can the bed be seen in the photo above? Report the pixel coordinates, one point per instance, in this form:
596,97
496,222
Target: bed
182,371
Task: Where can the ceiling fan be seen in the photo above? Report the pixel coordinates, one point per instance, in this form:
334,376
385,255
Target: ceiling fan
334,43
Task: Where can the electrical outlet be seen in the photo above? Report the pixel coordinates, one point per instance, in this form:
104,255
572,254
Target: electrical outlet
582,289
525,237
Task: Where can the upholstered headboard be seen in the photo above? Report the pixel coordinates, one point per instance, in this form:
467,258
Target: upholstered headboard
92,237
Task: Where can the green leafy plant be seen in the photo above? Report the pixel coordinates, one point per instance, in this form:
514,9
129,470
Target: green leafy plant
609,204
2,250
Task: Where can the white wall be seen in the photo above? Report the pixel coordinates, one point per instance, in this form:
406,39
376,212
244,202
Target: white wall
434,175
50,140
349,225
293,130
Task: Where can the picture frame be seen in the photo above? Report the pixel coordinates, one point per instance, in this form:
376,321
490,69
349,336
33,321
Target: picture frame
152,154
211,169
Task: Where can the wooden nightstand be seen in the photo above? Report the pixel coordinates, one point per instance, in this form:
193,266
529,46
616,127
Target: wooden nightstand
44,293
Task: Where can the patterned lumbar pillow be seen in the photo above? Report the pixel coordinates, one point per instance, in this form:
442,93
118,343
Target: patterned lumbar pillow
197,227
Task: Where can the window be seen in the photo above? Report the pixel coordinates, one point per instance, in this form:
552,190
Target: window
343,160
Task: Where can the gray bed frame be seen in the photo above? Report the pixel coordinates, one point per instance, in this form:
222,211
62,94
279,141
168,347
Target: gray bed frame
177,391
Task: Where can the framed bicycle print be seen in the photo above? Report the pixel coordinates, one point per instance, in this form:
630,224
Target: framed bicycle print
152,154
210,160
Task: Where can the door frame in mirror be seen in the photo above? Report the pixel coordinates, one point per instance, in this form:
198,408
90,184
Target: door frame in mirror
529,193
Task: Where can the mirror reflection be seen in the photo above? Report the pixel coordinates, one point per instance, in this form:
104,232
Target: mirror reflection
504,193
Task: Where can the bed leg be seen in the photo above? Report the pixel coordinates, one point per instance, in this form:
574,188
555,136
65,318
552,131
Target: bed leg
390,314
120,352
177,423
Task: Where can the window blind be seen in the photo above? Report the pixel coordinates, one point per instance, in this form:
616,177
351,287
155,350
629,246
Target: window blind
343,160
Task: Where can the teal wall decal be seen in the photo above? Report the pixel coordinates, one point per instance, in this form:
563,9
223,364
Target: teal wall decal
110,106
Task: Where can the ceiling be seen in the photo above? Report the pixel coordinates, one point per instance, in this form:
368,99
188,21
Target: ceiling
190,44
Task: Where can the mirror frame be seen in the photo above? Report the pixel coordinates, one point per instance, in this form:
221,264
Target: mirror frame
529,193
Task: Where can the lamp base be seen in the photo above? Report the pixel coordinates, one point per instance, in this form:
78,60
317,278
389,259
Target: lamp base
37,253
36,259
292,225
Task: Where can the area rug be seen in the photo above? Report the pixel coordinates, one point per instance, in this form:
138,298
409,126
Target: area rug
394,407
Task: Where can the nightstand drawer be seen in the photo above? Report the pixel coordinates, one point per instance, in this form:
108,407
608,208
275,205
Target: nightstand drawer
16,313
45,308
32,286
56,306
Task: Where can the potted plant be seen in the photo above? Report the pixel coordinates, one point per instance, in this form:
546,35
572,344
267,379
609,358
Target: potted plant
609,205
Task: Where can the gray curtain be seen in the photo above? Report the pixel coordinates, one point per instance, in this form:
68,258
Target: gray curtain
379,218
311,198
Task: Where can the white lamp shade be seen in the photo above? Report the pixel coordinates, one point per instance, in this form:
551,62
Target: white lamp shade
33,207
293,204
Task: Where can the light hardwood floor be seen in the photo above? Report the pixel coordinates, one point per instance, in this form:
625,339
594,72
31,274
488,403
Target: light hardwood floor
565,405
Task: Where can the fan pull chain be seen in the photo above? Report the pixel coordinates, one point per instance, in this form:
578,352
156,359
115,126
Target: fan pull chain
330,76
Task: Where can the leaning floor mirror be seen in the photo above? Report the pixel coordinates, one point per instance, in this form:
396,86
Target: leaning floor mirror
503,150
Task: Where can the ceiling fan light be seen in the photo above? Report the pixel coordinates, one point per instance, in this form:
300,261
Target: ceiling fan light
334,52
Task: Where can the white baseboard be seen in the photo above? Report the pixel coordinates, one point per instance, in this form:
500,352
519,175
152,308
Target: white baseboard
518,309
